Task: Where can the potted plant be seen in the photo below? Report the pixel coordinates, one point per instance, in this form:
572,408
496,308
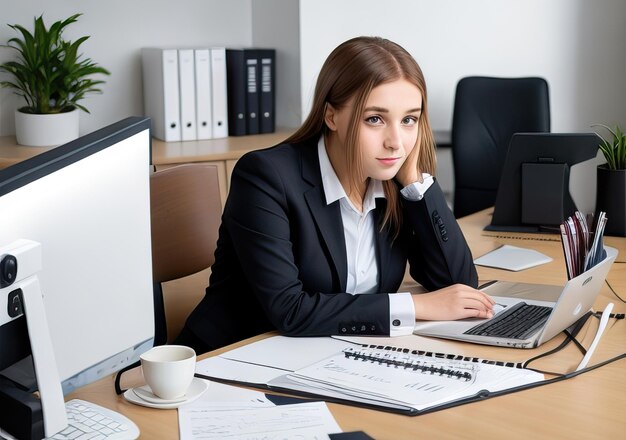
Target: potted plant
611,195
53,77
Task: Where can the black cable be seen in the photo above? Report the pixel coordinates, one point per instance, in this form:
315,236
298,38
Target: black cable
593,367
569,337
614,292
612,315
582,349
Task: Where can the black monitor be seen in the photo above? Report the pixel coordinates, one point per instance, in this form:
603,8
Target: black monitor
87,203
534,193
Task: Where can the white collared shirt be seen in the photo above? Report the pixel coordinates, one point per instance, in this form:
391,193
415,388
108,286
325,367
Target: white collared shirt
359,232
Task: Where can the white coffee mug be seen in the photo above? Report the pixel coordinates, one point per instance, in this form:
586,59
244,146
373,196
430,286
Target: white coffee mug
168,370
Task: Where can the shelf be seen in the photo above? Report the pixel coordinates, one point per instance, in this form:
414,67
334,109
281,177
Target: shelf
166,153
230,148
12,153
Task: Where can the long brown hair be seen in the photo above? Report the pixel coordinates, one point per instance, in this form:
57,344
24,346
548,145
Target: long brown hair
353,69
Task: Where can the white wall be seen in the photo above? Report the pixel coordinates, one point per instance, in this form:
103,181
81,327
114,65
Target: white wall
577,45
275,24
118,30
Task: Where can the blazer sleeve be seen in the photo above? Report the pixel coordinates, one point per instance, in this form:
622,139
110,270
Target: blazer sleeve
438,254
261,217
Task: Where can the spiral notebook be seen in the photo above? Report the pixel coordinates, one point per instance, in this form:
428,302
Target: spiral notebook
389,378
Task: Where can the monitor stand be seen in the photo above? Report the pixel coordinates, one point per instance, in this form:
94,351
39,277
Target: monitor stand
22,414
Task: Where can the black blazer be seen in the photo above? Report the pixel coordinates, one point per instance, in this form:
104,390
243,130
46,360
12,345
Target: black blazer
281,263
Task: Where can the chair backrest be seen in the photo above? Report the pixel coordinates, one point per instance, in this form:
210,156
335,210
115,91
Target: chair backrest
487,112
185,218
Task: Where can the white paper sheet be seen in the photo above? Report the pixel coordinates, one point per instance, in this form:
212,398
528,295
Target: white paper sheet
265,352
240,371
512,258
234,413
222,395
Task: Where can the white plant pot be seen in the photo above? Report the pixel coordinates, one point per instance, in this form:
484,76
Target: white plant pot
46,130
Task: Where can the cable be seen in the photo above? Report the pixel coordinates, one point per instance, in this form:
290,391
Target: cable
576,327
614,292
612,315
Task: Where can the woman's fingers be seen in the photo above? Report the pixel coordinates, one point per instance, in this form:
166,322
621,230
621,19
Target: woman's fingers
454,302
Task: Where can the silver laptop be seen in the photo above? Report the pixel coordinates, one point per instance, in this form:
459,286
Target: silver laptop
563,307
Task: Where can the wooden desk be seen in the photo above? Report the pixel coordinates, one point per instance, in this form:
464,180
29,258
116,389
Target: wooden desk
589,406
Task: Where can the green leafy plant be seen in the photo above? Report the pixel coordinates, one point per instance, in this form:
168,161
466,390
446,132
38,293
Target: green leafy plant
49,72
614,150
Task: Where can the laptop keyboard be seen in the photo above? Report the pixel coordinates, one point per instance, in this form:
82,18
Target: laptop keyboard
517,322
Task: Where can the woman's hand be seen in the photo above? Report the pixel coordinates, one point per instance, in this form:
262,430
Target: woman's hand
454,302
408,172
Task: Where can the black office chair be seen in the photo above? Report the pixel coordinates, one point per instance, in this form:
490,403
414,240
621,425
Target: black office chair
487,112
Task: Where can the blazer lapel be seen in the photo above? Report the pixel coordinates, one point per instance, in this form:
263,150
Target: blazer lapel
326,217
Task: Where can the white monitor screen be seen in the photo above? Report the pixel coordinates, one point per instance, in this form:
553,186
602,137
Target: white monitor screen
88,204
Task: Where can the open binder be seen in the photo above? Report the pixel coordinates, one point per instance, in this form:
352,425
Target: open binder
386,378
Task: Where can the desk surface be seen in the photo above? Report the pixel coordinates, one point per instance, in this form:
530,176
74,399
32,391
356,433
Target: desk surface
588,406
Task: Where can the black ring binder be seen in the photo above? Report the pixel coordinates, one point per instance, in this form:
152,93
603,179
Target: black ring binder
415,365
455,357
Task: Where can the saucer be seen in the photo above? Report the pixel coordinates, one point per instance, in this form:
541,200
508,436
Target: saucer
197,387
146,394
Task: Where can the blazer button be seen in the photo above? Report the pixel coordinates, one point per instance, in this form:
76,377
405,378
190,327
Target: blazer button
396,323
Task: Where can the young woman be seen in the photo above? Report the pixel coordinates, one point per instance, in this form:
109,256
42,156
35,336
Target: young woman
317,231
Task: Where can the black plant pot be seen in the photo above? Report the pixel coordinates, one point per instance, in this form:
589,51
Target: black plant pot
611,198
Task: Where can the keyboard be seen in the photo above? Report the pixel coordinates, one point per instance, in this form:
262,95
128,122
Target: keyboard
87,420
520,321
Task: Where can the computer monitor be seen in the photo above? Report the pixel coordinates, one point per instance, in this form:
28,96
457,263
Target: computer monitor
545,178
87,203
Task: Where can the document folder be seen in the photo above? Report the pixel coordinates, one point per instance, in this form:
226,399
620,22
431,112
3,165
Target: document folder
386,378
186,78
204,104
160,92
237,93
252,91
267,101
219,92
